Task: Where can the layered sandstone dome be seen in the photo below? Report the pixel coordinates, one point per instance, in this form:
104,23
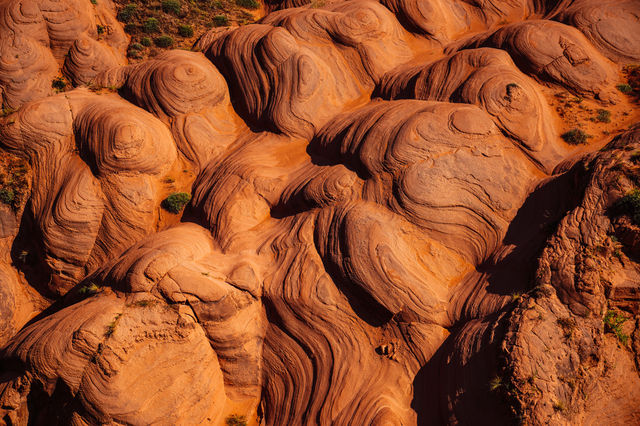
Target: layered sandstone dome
385,224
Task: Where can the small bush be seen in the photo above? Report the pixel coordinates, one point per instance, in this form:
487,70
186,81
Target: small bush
59,83
613,324
220,21
248,4
94,1
7,196
575,137
100,29
136,46
236,420
171,6
164,41
131,29
134,54
625,88
630,205
185,30
604,116
495,383
111,328
175,202
151,25
127,13
91,288
146,41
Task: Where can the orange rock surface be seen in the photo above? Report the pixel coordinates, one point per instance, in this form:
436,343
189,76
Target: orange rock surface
385,222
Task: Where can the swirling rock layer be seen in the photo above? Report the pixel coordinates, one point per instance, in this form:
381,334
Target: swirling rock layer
385,225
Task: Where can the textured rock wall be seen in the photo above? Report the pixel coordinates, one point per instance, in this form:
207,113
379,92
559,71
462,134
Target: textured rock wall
386,226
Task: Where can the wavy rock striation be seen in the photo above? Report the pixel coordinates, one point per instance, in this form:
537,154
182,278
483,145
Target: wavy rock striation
385,225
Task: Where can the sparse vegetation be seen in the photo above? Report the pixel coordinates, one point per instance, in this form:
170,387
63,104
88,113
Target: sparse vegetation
248,4
164,41
220,21
632,74
575,137
613,322
111,327
178,19
236,420
604,116
127,13
151,25
495,383
624,88
100,29
59,84
90,288
13,180
171,6
185,30
175,202
6,111
7,196
630,205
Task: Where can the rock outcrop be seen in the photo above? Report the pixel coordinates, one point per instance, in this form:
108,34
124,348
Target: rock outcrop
383,220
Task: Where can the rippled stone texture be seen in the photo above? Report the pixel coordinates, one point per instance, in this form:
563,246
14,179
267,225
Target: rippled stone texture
385,226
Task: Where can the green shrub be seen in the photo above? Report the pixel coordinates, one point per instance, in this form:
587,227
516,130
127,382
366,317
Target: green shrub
90,288
127,13
185,30
111,328
495,383
236,420
136,46
630,205
613,324
220,21
151,25
175,202
604,116
146,41
7,196
134,54
248,4
625,88
59,83
171,6
131,29
94,1
164,41
100,29
575,137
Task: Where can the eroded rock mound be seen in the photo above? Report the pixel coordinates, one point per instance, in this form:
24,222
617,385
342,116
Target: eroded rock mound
351,212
